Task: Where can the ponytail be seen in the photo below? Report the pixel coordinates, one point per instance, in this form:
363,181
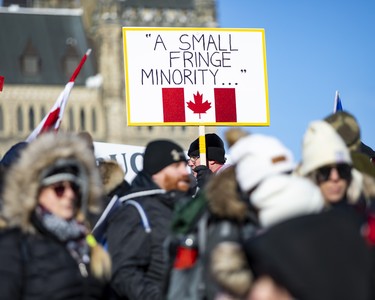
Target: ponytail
100,263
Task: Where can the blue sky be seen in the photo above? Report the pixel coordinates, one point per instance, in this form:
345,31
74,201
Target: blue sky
313,49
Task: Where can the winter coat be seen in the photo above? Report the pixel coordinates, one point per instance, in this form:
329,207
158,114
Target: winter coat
139,266
231,219
38,267
11,271
35,264
218,214
317,256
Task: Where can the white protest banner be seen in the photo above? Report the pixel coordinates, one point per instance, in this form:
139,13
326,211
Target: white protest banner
195,76
129,157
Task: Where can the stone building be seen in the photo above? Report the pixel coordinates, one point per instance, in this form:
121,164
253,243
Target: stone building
42,41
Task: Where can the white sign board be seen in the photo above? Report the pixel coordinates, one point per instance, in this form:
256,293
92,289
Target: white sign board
130,158
195,76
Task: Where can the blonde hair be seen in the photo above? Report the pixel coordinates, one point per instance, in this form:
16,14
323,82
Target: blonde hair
100,264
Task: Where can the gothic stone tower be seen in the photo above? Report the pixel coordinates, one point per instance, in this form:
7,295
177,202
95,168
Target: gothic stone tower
107,19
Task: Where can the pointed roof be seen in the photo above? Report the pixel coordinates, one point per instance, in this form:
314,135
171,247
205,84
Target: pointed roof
49,34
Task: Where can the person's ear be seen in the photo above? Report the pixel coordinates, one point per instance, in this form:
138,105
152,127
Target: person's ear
211,162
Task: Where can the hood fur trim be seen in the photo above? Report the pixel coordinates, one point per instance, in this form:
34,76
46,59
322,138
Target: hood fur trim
223,196
112,175
361,185
22,180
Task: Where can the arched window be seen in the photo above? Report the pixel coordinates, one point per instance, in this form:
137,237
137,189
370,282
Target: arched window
1,119
42,112
71,119
93,120
31,119
19,119
82,119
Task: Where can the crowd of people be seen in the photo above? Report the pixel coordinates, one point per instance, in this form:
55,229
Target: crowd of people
262,227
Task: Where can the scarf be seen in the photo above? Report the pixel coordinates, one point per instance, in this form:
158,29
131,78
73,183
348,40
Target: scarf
70,232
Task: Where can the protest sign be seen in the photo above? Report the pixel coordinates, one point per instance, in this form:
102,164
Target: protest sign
130,158
195,76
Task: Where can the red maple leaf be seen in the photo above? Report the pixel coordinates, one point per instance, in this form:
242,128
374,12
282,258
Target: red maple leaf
198,106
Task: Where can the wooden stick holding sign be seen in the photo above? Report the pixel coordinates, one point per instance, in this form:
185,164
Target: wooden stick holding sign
202,145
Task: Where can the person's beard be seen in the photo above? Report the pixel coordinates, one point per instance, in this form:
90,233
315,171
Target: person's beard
181,183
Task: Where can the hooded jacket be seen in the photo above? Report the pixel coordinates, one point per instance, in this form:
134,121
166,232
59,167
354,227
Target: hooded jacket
232,220
139,267
33,258
317,256
22,181
218,214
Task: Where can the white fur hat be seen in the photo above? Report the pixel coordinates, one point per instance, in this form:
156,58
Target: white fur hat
322,145
281,197
258,156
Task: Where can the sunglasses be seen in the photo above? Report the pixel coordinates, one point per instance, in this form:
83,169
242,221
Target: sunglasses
60,187
344,171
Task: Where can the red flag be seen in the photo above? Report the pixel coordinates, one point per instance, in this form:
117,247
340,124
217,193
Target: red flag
53,119
174,104
225,105
1,83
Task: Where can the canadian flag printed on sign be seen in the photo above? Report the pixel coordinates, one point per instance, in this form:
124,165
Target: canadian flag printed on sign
175,105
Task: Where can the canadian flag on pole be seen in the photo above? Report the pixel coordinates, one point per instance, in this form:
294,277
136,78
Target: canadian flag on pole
174,104
53,119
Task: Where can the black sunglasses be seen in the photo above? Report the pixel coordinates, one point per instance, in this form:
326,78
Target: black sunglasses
344,171
60,187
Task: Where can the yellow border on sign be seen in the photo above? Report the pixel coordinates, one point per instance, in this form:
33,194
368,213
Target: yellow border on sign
127,90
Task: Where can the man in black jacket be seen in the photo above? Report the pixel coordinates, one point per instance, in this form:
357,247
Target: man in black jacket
136,232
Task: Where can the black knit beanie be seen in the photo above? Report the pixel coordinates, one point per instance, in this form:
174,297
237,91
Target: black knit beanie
214,148
160,154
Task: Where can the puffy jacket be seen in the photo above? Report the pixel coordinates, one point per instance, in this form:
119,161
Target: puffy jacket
139,266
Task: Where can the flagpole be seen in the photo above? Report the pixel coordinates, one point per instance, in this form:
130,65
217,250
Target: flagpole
53,119
79,67
337,105
72,81
335,101
202,145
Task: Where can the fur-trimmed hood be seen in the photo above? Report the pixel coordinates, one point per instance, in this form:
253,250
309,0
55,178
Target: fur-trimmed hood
112,175
361,184
223,196
22,181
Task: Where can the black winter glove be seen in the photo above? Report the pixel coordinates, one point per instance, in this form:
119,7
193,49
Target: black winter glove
203,175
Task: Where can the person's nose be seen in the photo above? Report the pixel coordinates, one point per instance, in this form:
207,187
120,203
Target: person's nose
334,174
191,164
